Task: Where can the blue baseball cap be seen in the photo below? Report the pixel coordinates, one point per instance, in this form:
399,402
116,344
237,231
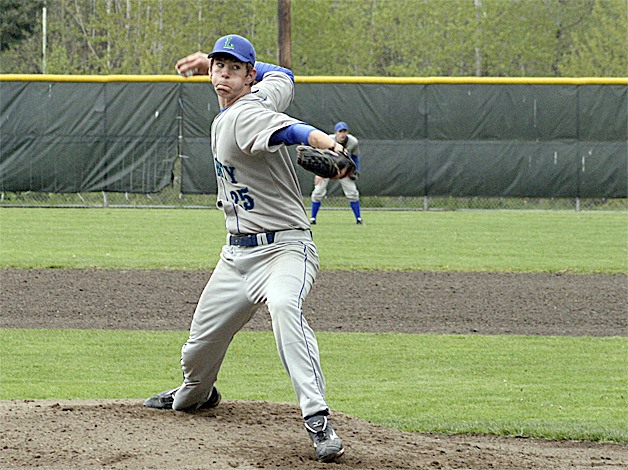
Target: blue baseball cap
237,46
341,126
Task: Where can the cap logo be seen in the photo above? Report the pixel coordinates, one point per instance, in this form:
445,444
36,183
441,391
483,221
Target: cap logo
228,44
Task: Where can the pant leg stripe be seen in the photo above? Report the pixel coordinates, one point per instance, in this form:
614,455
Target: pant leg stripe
307,345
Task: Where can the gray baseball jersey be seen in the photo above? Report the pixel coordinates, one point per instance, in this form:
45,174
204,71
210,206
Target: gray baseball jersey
260,195
258,189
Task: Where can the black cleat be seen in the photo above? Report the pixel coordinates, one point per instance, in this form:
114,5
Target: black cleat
161,401
359,221
164,400
312,221
326,442
213,401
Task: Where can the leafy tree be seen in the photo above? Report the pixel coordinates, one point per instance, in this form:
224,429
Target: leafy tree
433,37
600,48
373,37
18,20
320,22
521,37
148,36
329,37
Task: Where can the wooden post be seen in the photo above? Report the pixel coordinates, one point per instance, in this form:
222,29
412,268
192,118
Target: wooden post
283,16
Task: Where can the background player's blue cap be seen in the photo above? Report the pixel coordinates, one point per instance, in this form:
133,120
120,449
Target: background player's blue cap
341,126
236,46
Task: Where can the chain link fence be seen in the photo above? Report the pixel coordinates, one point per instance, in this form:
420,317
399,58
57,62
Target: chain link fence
172,198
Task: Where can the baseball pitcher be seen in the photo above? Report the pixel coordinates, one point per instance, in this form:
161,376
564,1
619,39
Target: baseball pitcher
269,256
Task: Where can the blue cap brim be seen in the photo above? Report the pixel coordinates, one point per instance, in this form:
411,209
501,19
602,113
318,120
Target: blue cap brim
232,54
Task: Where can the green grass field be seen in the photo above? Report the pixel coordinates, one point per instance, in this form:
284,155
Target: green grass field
552,387
577,242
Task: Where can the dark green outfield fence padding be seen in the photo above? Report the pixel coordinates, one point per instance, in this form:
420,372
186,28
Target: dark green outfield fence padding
418,137
63,137
503,140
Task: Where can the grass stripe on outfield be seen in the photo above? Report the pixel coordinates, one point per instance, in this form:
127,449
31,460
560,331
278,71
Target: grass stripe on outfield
552,387
578,242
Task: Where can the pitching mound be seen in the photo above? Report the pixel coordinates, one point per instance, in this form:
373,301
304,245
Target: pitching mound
240,434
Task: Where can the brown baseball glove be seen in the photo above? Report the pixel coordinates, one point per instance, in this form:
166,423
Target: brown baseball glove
325,163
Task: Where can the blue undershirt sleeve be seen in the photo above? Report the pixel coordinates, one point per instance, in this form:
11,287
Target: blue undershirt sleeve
263,68
292,135
356,159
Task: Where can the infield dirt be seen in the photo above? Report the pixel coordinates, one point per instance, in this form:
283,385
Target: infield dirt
122,434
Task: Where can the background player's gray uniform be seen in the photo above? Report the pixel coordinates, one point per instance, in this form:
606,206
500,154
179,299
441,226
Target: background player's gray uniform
259,193
348,185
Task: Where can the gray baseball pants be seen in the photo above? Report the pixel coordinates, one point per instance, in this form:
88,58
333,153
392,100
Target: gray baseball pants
279,274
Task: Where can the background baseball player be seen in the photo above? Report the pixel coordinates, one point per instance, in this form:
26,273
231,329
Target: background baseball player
269,256
349,187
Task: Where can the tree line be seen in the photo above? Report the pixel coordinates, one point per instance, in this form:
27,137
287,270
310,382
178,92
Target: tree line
514,38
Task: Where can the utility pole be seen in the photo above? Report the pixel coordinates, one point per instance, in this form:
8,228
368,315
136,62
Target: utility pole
283,17
44,32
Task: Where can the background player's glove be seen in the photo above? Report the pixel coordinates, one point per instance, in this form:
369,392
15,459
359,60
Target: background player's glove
325,163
